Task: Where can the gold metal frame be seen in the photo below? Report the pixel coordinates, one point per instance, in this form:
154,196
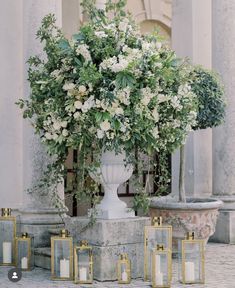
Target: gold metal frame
13,219
202,257
69,239
157,251
29,254
83,246
156,225
123,259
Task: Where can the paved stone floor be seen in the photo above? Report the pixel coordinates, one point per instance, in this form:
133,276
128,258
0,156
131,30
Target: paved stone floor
220,273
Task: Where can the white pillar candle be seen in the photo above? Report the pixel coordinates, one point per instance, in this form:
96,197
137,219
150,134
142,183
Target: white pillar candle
124,276
83,274
157,264
159,278
189,272
24,263
7,253
64,268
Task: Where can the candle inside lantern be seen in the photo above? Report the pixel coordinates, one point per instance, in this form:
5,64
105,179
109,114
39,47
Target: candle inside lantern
159,278
157,264
83,274
64,268
189,272
24,263
124,276
7,253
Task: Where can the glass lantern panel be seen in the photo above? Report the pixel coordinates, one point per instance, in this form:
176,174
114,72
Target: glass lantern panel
156,236
32,253
124,272
7,234
161,271
23,261
84,271
193,261
62,258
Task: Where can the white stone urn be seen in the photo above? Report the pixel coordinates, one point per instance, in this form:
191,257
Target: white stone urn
112,173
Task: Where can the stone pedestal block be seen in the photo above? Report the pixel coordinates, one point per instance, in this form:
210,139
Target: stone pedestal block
225,227
39,222
109,238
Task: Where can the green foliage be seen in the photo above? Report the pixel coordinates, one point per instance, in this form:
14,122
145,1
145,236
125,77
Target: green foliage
108,87
211,103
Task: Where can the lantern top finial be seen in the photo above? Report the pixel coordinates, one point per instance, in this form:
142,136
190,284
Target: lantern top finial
157,221
83,243
190,235
6,212
64,233
123,256
25,235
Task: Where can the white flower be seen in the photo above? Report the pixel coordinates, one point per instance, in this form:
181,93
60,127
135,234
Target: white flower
162,98
83,50
120,66
100,134
54,136
57,125
65,132
89,103
155,114
48,136
64,124
119,111
68,86
100,34
123,25
105,125
123,128
76,115
82,89
124,95
78,104
155,132
158,45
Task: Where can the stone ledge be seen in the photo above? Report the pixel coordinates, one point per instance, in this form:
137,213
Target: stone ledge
108,232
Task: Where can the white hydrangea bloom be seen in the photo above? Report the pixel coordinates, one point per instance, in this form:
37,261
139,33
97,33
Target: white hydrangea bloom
68,86
65,132
57,125
155,114
100,134
123,95
123,25
78,104
155,132
105,125
82,89
100,34
48,136
84,51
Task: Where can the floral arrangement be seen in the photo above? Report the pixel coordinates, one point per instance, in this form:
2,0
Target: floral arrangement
108,87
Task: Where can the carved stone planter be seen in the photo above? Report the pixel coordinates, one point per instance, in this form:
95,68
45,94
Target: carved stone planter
198,215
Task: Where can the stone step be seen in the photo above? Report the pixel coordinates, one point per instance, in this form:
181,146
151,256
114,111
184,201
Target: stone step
42,257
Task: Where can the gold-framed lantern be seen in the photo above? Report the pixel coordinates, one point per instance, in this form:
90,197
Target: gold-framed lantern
192,260
124,269
83,263
7,238
62,256
161,267
25,252
153,235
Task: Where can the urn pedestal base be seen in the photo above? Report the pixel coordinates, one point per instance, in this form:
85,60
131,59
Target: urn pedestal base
110,238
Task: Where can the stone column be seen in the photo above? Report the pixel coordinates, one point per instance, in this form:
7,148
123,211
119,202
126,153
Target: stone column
191,37
23,157
223,61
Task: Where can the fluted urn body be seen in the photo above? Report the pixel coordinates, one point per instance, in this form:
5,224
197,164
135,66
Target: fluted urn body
113,172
